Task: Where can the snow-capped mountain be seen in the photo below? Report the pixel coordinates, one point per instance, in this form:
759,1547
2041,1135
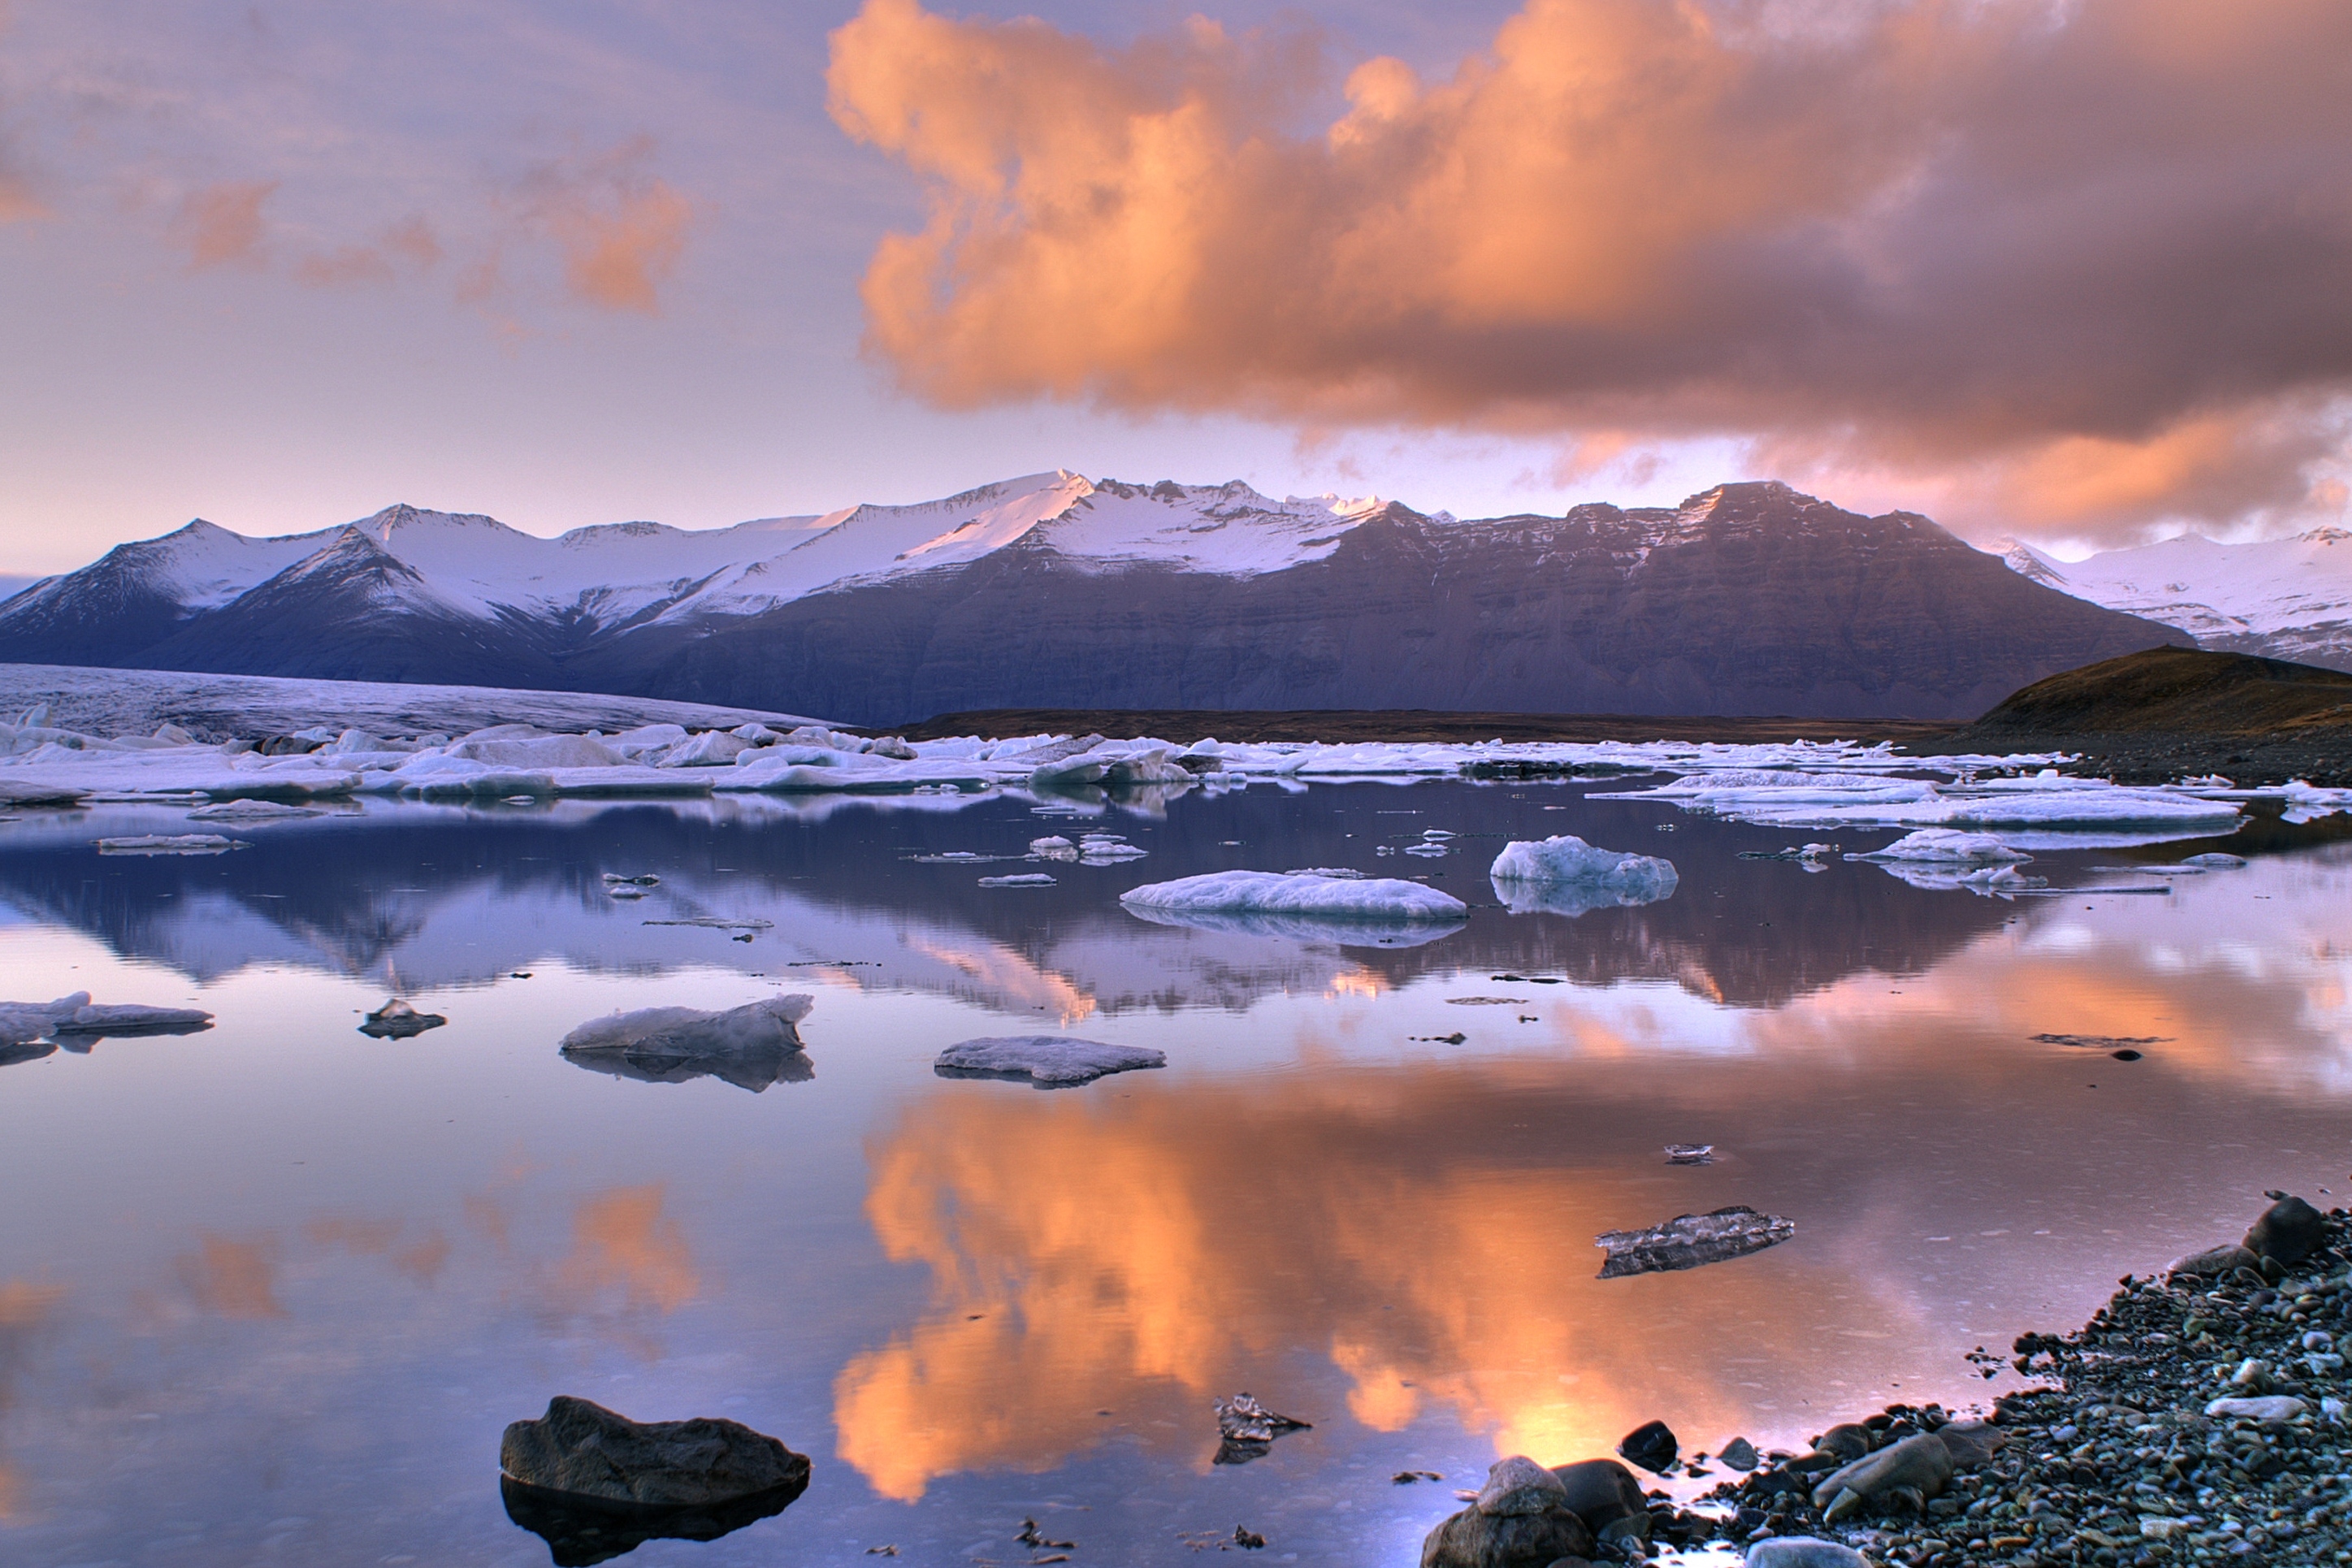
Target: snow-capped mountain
2280,599
1055,590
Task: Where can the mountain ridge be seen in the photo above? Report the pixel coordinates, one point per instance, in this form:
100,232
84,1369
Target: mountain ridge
1054,590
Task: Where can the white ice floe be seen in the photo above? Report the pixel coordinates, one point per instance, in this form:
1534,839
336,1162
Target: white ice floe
1026,879
693,1032
1961,876
1564,874
2045,799
171,844
1945,846
1053,846
1045,1061
21,1023
1280,893
248,810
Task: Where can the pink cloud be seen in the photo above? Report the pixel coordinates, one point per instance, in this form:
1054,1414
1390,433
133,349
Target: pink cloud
220,225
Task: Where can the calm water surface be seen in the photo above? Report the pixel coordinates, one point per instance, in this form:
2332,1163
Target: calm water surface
269,1293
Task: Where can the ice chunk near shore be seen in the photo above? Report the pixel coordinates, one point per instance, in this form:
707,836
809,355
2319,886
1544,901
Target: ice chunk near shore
22,1022
1687,1241
246,810
1945,846
1045,1061
1280,893
1564,874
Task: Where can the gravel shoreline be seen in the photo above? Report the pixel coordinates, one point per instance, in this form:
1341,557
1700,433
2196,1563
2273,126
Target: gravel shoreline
2196,1417
2116,1459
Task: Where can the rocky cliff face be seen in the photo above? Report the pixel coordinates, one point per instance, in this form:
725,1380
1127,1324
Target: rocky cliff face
1748,599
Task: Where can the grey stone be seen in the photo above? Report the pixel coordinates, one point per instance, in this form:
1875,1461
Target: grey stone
2270,1408
1848,1441
2288,1230
1602,1492
1971,1444
396,1020
1920,1464
1518,1485
585,1450
1739,1453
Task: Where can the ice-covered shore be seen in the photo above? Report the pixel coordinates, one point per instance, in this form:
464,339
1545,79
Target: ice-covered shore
550,751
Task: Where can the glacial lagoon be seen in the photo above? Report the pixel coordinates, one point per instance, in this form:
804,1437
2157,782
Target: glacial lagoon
269,1293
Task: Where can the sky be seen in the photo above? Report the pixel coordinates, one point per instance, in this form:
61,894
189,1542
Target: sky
2078,271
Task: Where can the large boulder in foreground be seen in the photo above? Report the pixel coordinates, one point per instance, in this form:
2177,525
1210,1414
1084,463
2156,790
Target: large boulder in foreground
584,1451
1521,1519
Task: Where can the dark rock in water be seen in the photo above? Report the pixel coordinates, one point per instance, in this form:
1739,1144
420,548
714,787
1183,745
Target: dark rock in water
587,1452
1601,1492
2289,1230
396,1020
580,1531
1739,1453
1686,1241
1521,1519
1651,1445
1246,1429
1920,1466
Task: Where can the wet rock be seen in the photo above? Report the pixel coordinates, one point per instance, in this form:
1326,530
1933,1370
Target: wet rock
1804,1551
2290,1230
582,1450
1601,1492
1739,1453
1047,1061
1688,1241
1539,1532
1971,1444
2214,1260
1651,1445
1518,1485
1920,1466
396,1020
1847,1441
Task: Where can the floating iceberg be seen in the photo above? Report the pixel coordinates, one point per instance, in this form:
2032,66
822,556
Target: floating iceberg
171,844
1564,874
1945,846
2045,799
246,810
23,1022
1281,893
1045,1061
671,1044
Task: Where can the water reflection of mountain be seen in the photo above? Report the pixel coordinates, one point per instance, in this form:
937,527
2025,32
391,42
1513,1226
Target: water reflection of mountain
417,897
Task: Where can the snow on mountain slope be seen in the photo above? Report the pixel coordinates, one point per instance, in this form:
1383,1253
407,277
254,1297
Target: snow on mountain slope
2283,598
452,563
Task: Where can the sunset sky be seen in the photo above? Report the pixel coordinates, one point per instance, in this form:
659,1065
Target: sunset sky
2079,270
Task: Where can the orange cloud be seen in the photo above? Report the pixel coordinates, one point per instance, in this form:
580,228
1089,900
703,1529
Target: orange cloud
221,225
622,231
621,1240
1922,235
24,1307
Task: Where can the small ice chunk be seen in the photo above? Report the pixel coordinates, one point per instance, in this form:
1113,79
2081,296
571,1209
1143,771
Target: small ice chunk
1946,846
244,810
1690,1154
1338,873
715,922
614,879
2215,861
1564,874
1053,846
122,1018
652,1034
23,1022
1025,880
1047,1061
396,1020
1274,892
171,844
1688,1240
